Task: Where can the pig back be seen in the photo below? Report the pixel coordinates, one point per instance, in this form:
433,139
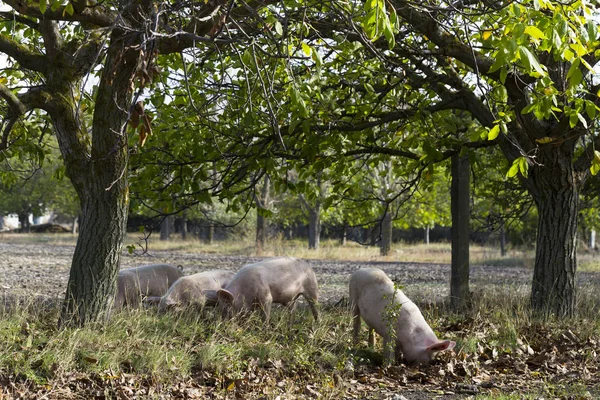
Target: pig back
281,278
194,288
372,291
145,280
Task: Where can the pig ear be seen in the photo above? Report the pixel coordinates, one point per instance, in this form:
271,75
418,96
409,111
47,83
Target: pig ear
225,296
441,346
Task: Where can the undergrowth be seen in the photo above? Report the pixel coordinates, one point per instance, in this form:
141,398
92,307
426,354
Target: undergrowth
163,348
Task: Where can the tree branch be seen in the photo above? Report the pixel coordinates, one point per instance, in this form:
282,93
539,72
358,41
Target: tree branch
96,15
22,55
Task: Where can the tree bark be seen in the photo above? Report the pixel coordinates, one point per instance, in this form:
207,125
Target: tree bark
385,246
553,288
502,241
344,238
184,226
99,177
314,226
459,280
165,228
592,243
210,234
262,202
24,221
427,234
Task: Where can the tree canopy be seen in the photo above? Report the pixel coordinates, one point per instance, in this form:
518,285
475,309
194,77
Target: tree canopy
207,98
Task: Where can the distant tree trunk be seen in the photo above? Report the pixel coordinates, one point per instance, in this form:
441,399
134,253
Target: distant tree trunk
427,234
592,244
460,187
165,228
262,202
344,238
75,224
502,240
314,226
385,245
314,217
184,228
24,221
210,234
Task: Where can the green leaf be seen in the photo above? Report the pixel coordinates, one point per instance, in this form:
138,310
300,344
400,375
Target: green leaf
42,6
69,9
306,49
503,74
582,119
530,60
514,168
494,132
534,32
523,166
278,28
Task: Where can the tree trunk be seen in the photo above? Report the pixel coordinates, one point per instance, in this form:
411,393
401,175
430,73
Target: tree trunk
99,175
261,221
165,228
210,234
314,226
75,225
502,241
24,221
386,234
592,244
553,288
427,234
344,238
184,226
459,280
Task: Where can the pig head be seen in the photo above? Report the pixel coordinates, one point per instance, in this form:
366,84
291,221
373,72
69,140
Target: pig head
143,281
279,280
374,298
195,290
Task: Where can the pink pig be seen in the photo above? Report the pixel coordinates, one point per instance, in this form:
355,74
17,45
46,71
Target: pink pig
278,280
371,296
195,290
147,280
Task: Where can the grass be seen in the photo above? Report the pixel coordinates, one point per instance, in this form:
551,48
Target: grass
237,352
243,357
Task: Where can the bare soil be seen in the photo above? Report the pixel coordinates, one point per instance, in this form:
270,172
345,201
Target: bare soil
42,270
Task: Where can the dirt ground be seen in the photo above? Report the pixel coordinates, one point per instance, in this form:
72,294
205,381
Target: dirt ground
42,270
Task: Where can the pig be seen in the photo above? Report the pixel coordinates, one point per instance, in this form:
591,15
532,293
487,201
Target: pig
142,281
371,294
195,290
278,280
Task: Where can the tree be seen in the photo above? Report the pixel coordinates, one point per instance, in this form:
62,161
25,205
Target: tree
58,49
531,61
262,209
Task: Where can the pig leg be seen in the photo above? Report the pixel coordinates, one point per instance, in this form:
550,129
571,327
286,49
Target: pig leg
312,302
371,337
265,307
356,320
398,353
